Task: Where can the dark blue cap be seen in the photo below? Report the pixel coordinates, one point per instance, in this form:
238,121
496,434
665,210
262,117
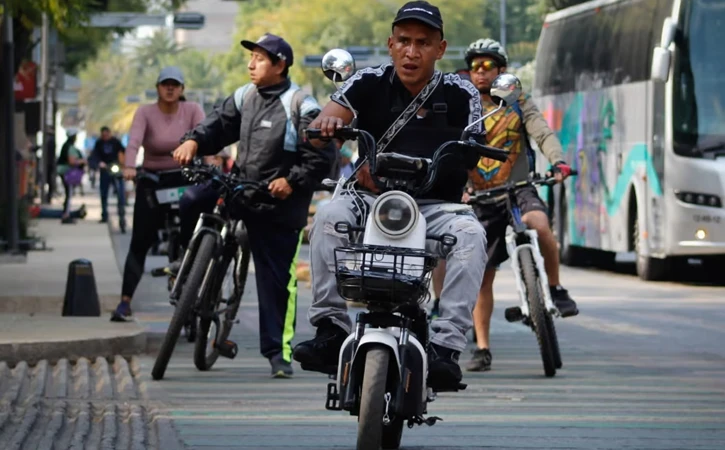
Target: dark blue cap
274,45
421,11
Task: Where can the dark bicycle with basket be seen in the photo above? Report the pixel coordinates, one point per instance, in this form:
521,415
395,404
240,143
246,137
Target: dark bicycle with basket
383,365
213,272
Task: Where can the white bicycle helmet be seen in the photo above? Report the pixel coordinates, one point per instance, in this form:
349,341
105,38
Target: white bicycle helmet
487,47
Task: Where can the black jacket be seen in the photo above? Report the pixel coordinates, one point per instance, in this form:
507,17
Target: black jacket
260,124
106,151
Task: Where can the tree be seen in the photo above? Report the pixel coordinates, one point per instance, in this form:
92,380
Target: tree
110,78
361,23
69,17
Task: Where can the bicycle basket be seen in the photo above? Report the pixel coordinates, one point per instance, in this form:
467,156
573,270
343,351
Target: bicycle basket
383,275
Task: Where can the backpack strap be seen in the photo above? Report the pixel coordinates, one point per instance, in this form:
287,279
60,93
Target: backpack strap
530,155
296,104
242,94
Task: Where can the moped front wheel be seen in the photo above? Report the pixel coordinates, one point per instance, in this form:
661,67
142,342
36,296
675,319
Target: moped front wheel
537,310
372,434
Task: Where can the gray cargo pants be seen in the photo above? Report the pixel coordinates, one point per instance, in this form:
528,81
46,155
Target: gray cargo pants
465,263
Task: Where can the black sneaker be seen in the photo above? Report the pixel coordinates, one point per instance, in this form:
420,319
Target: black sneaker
321,353
481,360
444,373
280,367
122,313
566,306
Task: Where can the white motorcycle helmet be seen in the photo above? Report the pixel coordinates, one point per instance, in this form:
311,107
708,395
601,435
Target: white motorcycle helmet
487,47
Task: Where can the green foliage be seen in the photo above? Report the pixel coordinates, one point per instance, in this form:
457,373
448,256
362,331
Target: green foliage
109,79
69,17
368,23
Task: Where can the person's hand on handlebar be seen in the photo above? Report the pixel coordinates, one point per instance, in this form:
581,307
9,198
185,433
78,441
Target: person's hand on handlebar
185,152
280,188
560,171
365,179
129,173
327,126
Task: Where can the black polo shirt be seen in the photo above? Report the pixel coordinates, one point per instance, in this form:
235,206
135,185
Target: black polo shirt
379,97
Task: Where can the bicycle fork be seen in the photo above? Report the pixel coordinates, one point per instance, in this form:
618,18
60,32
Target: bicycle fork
513,250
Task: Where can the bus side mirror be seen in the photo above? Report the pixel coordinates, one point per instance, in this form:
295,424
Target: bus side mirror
669,28
661,58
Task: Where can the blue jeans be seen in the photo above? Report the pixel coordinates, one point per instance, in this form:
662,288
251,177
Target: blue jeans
106,180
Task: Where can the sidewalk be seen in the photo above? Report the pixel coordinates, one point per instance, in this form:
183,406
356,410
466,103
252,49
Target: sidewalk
32,294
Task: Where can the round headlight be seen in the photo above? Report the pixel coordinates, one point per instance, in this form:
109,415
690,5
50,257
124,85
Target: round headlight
395,214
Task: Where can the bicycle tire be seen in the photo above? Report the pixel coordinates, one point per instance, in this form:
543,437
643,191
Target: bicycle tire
185,305
537,310
203,361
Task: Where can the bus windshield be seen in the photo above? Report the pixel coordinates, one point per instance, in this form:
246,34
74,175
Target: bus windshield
699,79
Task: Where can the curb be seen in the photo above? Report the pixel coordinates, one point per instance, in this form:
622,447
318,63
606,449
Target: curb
34,352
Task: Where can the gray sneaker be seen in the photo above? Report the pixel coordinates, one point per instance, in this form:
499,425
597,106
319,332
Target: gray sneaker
280,367
481,361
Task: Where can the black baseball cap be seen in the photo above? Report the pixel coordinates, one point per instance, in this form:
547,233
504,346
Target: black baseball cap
274,45
422,12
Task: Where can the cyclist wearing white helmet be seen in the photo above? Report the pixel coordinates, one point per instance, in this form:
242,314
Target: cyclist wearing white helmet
509,129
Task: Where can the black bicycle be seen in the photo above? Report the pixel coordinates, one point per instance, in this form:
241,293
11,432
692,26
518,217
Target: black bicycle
217,257
537,308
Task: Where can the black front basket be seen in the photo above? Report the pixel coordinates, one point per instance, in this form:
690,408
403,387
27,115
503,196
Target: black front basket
382,274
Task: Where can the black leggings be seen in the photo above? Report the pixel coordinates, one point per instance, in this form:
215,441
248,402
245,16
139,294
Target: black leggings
147,221
68,194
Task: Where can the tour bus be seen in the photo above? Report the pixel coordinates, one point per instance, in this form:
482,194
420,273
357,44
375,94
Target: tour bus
635,90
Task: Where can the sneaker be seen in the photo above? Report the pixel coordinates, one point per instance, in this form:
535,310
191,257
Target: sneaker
82,213
173,268
566,306
122,313
444,373
481,360
122,226
321,353
435,311
280,367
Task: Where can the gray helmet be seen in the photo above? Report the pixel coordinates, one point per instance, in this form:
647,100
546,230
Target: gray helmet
487,47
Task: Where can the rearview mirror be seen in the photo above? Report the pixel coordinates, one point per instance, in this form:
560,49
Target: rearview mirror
338,65
661,58
507,88
669,28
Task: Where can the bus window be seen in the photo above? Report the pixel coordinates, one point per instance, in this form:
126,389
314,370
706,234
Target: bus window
699,90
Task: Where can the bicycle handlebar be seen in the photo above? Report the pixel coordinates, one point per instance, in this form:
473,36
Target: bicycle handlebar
512,186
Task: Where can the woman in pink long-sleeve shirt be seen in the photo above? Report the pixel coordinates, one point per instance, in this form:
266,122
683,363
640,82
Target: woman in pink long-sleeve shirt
157,127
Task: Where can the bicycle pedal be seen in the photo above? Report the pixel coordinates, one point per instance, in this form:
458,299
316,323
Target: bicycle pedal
227,349
513,314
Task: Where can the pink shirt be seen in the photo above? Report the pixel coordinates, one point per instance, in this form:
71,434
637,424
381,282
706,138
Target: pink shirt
160,134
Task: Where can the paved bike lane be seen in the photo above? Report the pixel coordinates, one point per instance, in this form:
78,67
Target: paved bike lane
642,369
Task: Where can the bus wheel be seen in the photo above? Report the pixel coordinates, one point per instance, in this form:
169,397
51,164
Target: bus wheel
648,268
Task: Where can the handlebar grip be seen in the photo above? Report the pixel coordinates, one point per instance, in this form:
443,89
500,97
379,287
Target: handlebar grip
492,152
344,133
313,133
